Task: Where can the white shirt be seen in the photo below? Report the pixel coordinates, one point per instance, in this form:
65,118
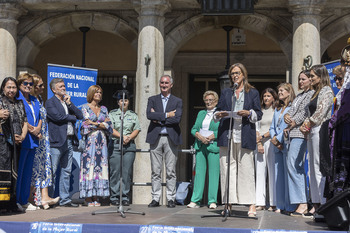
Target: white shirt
70,130
164,102
207,119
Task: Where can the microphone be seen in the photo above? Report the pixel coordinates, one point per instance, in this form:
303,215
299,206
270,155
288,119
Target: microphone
235,86
124,81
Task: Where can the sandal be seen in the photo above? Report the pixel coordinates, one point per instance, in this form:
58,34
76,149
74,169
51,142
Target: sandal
97,204
260,208
297,214
252,211
91,204
251,214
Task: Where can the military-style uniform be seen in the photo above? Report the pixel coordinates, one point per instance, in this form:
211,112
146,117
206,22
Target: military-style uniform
131,123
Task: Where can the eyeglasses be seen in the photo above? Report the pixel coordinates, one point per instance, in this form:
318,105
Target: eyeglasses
27,83
236,73
338,78
209,100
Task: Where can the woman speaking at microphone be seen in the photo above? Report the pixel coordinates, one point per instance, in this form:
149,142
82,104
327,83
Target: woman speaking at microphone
248,111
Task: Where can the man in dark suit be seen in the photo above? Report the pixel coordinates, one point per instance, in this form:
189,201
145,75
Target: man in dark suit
164,136
61,116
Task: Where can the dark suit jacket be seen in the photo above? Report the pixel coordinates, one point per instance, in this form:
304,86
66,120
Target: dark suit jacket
251,101
171,124
58,120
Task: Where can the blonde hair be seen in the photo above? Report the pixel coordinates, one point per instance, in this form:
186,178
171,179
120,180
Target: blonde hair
337,71
24,76
289,88
213,93
36,79
91,92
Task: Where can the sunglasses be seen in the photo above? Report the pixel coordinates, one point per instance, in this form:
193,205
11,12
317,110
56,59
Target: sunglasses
27,83
338,78
41,85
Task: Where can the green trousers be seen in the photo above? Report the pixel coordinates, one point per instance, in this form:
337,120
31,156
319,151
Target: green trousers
204,157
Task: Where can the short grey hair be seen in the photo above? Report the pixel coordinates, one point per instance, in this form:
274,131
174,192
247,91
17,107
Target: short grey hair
168,76
54,82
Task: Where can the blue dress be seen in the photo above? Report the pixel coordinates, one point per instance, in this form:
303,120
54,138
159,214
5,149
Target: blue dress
42,171
94,174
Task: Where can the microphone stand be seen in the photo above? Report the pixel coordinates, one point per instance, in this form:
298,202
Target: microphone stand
227,211
121,147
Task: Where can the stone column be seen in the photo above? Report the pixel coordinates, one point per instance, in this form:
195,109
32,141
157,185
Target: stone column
8,39
306,35
150,45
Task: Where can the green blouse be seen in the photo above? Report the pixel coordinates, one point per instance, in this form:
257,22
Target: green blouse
131,121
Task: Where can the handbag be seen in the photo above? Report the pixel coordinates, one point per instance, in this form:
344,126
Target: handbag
82,144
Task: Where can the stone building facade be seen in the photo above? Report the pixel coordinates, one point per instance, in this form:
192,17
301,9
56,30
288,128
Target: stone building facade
178,39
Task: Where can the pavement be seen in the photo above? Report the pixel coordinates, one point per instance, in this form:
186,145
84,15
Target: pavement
178,216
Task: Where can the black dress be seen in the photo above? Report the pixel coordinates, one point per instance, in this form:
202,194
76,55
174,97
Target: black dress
9,151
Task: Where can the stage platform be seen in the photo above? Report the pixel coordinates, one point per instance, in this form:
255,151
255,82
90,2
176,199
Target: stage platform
178,216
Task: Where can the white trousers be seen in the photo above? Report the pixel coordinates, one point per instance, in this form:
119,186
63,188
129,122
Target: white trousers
265,164
317,181
242,175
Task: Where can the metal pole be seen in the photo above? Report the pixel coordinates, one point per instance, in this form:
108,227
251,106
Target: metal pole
84,30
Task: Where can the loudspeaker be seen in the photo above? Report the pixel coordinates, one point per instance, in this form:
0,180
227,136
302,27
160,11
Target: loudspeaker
336,211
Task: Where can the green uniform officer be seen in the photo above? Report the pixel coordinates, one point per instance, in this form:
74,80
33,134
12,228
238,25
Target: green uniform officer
131,129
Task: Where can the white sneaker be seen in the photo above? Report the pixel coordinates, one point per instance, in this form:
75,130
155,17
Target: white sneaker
212,206
193,205
32,207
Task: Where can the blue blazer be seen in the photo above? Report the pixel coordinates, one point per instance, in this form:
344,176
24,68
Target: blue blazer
30,141
248,131
57,120
171,124
277,126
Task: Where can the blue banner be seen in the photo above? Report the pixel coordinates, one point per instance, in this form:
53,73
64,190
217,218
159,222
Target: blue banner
77,80
49,227
165,229
330,66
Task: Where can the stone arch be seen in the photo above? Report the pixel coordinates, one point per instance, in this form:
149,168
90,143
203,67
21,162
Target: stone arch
199,24
334,31
51,28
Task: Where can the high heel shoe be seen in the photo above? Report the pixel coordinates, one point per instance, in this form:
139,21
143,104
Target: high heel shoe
53,201
45,205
